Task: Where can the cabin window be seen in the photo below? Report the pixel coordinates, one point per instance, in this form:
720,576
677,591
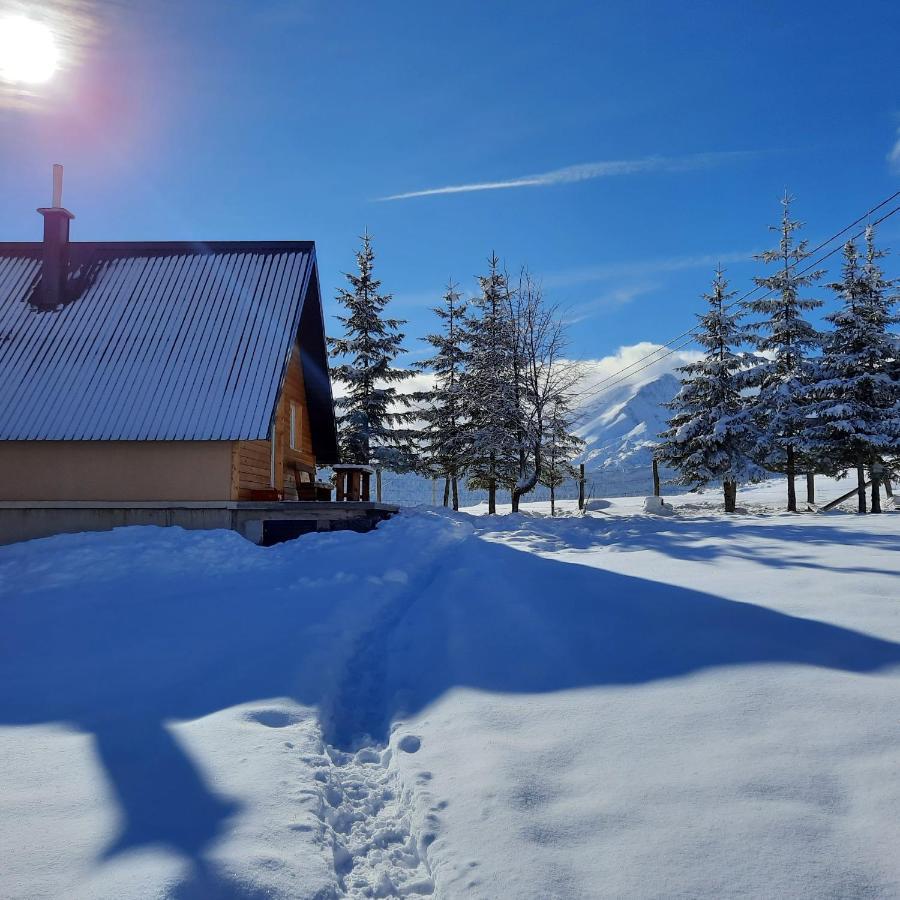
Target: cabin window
295,427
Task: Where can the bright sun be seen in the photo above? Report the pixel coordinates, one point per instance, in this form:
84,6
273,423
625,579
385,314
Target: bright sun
28,52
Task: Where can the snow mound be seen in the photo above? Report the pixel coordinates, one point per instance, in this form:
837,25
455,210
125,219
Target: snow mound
657,506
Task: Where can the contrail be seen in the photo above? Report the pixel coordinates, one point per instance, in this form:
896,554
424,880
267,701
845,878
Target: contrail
587,171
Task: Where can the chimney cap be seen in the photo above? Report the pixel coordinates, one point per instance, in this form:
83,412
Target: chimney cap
46,210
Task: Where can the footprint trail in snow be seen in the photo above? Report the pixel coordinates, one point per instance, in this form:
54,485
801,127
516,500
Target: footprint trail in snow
366,814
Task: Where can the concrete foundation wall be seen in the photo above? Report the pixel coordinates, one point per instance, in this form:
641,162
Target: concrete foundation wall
115,470
23,521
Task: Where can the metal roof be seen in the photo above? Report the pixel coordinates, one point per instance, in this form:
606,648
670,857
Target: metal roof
166,341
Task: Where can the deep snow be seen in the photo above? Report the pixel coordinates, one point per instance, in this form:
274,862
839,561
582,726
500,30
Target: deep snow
616,705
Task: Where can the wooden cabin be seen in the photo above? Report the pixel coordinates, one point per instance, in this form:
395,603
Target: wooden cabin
169,373
161,371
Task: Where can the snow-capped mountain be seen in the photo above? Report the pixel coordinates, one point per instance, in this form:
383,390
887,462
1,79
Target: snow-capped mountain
621,426
620,417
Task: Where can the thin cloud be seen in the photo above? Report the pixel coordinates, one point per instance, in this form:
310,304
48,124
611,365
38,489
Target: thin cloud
587,172
608,301
637,268
894,156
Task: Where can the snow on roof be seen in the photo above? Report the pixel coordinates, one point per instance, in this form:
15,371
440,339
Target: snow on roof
167,341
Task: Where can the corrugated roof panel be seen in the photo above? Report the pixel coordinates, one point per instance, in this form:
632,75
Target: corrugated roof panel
132,391
159,342
239,386
205,411
276,324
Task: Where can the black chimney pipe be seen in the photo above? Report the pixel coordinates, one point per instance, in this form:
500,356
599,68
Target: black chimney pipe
51,292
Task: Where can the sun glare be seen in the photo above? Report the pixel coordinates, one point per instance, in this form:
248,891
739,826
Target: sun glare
28,51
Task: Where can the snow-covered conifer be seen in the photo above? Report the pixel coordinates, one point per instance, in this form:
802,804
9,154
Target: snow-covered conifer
443,435
371,428
489,386
712,434
785,339
854,402
560,447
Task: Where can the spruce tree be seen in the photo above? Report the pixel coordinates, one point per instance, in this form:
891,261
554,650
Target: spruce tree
489,386
561,447
785,338
711,435
854,402
370,426
443,433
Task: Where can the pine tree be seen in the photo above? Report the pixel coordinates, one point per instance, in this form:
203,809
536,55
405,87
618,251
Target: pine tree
854,402
443,433
711,435
489,386
786,339
370,425
561,446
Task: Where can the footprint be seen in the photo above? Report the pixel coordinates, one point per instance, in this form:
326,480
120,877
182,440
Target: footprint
272,718
410,743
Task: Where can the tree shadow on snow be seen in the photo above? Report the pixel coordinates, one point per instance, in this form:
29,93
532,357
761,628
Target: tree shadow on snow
536,624
481,615
703,538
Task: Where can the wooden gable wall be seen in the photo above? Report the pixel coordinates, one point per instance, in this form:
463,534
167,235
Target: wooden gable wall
252,460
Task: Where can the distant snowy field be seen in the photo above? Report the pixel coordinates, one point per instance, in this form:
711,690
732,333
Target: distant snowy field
616,705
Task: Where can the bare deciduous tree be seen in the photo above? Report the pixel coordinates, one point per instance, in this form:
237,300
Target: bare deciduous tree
543,378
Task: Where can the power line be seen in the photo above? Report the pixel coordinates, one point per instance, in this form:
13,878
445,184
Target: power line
685,343
686,334
603,386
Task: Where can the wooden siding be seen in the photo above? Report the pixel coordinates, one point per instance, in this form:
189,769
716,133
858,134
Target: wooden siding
252,460
115,470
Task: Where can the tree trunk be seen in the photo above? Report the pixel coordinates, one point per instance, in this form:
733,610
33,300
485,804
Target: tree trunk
552,499
655,477
730,490
888,490
791,470
454,483
876,492
378,484
810,488
514,500
446,490
581,486
861,487
492,497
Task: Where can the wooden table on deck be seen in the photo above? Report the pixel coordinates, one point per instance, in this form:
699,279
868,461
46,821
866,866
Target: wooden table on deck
352,482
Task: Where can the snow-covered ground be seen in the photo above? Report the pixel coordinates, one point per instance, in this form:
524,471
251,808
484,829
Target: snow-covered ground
616,705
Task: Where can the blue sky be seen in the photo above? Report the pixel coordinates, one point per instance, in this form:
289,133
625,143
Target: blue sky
620,147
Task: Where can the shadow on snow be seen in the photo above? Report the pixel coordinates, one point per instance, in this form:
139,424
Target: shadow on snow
704,538
122,658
